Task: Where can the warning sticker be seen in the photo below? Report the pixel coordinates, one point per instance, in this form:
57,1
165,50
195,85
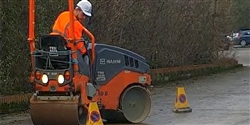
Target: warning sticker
182,98
94,116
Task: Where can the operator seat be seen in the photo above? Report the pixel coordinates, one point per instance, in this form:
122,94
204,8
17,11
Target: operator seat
52,44
47,42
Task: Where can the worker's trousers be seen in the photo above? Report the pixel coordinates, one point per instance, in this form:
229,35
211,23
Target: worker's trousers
83,64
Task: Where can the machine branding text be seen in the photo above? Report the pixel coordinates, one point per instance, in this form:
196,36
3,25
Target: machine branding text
53,49
113,61
103,93
101,76
103,61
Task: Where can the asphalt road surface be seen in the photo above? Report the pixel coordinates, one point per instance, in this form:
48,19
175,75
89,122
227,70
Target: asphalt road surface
243,56
221,99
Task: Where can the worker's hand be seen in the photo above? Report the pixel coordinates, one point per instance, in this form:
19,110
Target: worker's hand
85,54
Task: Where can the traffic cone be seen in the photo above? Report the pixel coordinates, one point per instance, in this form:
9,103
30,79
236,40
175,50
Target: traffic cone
181,103
94,116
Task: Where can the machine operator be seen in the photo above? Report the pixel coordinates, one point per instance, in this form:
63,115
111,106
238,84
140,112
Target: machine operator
82,10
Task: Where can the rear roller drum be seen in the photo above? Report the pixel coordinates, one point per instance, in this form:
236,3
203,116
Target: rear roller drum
135,104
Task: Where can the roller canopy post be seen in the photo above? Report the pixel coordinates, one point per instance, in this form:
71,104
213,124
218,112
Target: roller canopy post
31,39
31,24
92,40
71,37
71,22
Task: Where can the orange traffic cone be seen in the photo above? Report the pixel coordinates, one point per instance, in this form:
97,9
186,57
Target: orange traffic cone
181,103
94,116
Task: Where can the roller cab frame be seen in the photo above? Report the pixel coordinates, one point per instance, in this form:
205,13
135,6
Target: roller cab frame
55,76
118,81
54,68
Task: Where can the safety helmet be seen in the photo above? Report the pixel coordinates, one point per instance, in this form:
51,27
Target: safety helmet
85,6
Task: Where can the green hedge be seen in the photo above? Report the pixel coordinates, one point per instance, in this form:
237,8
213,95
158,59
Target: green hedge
167,33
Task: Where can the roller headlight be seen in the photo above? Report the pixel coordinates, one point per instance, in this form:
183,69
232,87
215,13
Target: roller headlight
60,79
45,78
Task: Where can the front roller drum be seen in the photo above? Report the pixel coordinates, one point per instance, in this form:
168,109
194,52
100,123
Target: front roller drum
135,104
66,112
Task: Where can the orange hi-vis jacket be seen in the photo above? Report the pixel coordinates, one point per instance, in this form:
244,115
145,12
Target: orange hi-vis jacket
61,26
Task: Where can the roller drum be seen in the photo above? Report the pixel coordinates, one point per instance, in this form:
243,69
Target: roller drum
135,104
56,112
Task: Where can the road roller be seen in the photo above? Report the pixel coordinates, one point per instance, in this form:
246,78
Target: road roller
65,82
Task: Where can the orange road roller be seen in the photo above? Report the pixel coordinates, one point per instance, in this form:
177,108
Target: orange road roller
65,82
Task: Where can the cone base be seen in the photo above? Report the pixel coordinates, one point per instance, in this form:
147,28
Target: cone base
182,110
